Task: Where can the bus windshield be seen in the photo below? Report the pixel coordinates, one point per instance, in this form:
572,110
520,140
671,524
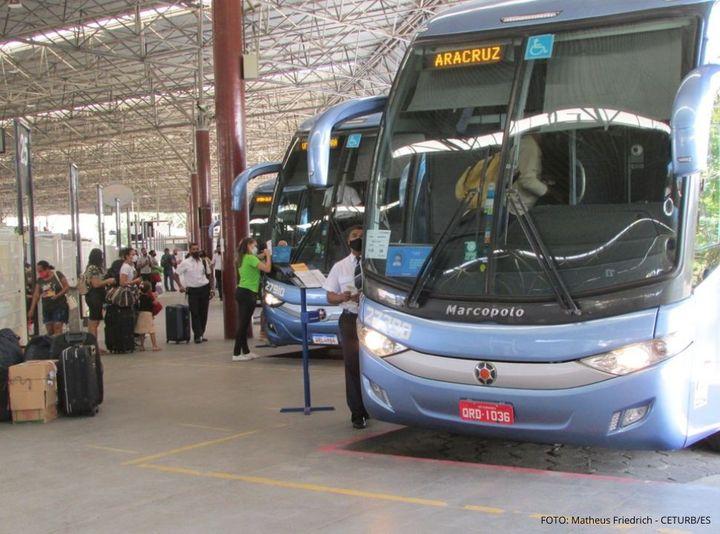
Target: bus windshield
313,220
478,136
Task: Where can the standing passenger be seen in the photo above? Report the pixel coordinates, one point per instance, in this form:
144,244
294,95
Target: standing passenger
198,285
343,286
166,262
96,284
51,287
248,271
217,267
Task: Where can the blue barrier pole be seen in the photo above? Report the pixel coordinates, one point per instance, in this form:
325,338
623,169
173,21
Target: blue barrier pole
304,319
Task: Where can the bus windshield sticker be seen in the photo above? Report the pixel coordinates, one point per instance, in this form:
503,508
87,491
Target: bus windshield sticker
540,47
353,140
464,57
376,244
405,261
281,254
470,251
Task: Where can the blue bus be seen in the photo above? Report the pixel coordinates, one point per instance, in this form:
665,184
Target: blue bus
543,226
259,209
311,212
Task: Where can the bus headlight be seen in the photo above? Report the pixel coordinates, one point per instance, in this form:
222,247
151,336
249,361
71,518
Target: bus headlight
637,356
378,344
272,301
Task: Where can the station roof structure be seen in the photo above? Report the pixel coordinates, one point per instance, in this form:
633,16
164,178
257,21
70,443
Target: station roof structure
115,85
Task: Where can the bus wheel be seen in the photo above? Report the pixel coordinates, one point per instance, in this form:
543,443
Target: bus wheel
713,442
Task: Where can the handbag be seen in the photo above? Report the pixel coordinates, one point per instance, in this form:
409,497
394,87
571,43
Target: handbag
122,297
156,307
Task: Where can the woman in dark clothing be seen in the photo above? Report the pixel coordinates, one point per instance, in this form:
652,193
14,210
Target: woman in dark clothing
96,283
50,288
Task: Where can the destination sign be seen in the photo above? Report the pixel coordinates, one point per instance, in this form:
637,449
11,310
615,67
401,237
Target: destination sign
263,199
334,143
466,56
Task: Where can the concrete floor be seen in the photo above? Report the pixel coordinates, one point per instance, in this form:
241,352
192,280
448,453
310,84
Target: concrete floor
188,441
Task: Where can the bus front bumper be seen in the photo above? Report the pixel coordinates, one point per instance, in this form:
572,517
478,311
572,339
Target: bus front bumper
283,327
581,415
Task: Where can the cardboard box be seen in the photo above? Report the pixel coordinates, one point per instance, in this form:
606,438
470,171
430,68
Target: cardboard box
32,388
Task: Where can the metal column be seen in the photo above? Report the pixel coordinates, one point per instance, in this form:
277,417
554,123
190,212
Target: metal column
101,221
194,223
230,118
203,213
118,225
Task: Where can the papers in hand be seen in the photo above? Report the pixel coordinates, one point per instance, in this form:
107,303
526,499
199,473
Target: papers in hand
311,278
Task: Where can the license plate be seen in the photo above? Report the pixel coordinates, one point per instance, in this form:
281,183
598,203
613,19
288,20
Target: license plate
487,412
319,339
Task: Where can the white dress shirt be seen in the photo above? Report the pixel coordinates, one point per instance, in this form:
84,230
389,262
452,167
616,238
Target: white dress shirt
217,262
193,272
341,279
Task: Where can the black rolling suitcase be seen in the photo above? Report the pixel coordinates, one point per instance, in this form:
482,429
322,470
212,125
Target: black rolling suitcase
80,371
4,399
119,329
80,391
177,323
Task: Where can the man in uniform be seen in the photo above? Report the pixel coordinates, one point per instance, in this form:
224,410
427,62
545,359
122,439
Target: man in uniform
343,286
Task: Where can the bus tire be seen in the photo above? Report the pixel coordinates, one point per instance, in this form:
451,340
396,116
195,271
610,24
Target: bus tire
713,442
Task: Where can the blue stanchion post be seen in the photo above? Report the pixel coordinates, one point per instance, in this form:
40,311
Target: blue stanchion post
305,318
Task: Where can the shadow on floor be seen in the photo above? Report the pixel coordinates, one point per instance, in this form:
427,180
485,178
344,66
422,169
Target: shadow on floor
669,466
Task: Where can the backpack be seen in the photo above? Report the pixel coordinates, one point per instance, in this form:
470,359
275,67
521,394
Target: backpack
10,351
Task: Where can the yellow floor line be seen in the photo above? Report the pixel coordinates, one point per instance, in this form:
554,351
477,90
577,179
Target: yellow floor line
112,449
221,429
484,509
296,485
186,448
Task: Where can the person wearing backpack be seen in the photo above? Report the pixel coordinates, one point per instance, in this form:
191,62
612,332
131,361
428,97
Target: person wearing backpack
50,289
167,263
96,281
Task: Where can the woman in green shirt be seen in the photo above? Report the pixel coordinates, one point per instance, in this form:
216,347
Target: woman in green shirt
248,266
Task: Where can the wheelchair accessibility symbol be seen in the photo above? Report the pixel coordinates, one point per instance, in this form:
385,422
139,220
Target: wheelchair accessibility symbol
540,47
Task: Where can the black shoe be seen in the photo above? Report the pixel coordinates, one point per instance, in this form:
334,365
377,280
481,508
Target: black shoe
359,423
198,340
203,340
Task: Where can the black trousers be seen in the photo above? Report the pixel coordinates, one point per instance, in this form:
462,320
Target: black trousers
218,283
168,280
351,355
246,307
199,302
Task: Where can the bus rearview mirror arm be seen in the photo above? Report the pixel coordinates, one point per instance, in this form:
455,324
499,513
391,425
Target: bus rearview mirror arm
239,186
691,119
319,140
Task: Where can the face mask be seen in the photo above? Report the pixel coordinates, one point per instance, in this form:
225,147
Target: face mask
253,250
196,255
356,244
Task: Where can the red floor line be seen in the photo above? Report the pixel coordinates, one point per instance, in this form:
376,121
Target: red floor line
340,448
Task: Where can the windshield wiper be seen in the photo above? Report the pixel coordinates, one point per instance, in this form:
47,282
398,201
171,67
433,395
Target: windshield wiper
542,253
427,268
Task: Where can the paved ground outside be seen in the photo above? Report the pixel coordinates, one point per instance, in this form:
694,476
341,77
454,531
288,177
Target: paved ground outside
188,441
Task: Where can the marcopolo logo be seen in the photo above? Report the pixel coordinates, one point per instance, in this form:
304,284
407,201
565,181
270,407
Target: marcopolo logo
487,312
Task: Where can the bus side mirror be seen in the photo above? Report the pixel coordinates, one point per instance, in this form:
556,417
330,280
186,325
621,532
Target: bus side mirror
239,186
319,140
691,116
